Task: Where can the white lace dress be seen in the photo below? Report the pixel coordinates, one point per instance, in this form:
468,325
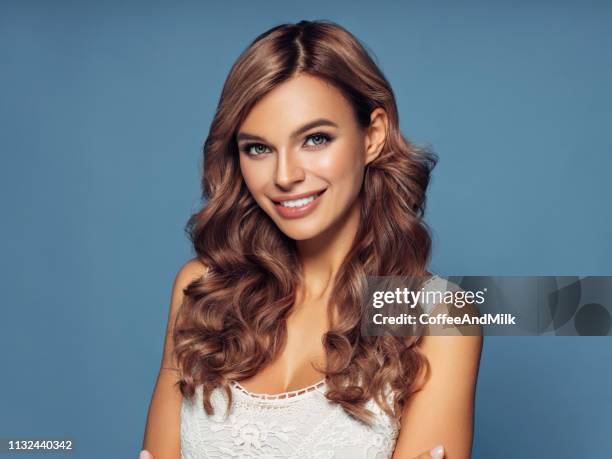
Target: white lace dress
297,425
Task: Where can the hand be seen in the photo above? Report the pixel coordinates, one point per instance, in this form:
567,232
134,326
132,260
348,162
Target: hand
434,453
144,454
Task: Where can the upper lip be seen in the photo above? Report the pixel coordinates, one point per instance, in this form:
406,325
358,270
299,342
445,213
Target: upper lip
291,197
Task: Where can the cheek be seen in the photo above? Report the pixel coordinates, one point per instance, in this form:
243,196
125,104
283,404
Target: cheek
252,174
342,166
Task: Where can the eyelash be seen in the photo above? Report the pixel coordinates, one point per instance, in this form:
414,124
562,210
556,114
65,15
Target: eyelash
246,147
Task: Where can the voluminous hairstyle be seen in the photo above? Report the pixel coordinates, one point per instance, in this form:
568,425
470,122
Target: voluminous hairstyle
232,322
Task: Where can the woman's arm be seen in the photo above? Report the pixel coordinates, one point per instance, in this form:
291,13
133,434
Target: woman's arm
442,412
162,432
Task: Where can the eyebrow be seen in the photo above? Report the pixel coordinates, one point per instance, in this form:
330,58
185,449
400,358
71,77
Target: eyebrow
294,134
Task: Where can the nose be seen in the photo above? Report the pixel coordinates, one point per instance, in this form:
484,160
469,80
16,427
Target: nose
288,170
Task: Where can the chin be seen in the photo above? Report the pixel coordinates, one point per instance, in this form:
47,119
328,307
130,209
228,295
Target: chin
300,230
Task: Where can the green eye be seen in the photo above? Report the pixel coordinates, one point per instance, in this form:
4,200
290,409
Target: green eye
319,139
258,149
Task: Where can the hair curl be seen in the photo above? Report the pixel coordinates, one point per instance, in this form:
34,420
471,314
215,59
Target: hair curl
232,322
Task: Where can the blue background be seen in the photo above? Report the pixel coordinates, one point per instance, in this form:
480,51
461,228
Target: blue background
103,111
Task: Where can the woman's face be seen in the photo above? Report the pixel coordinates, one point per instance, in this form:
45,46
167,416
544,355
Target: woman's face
302,138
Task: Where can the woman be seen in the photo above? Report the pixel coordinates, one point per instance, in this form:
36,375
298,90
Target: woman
311,187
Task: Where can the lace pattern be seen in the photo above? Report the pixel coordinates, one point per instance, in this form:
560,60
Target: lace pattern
299,426
282,396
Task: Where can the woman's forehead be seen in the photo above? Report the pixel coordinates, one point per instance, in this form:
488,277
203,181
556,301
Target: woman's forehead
297,101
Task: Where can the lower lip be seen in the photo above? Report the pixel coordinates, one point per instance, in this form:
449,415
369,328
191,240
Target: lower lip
297,212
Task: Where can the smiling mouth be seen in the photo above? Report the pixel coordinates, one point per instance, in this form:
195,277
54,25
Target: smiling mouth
296,203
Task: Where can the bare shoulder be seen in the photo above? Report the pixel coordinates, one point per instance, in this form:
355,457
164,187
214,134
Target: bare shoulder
162,433
442,411
193,269
450,310
452,349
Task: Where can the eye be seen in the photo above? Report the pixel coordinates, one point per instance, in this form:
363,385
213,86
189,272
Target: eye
319,139
258,149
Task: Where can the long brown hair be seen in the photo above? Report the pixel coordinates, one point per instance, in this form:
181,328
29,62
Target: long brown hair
233,319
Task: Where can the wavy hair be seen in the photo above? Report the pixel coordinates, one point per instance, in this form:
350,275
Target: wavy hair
232,322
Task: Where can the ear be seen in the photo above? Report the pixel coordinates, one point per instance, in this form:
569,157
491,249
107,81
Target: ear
376,134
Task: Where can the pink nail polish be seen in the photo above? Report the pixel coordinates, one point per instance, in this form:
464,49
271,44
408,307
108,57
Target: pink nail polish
437,452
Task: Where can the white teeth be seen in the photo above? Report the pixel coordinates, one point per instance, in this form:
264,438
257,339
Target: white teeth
299,202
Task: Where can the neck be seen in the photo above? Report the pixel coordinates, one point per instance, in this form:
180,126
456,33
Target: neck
321,257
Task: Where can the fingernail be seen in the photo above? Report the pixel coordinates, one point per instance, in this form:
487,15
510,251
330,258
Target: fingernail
437,452
144,455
